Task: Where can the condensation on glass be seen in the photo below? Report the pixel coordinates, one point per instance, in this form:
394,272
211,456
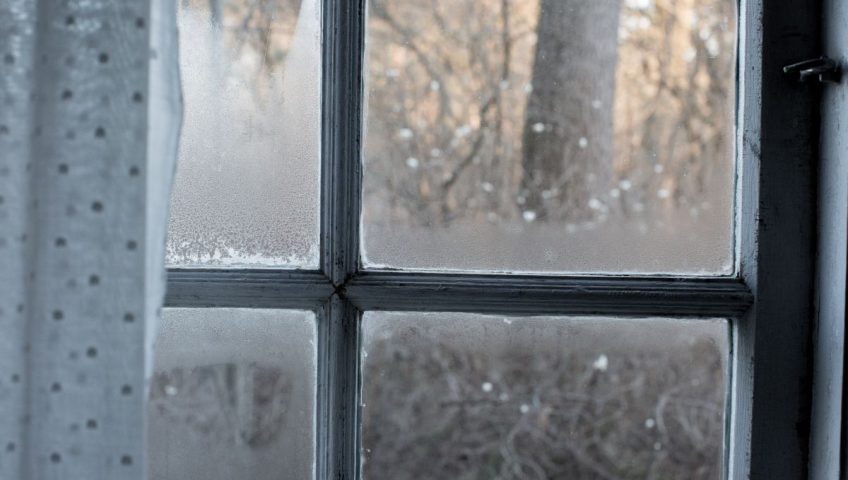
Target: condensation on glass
247,185
233,395
448,395
550,135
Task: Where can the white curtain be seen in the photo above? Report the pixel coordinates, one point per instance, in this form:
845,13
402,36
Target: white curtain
89,123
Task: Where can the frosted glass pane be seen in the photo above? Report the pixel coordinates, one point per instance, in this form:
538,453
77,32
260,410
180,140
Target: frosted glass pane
550,135
233,395
477,397
247,184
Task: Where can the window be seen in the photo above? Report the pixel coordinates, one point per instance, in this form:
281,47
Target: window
454,394
397,251
233,394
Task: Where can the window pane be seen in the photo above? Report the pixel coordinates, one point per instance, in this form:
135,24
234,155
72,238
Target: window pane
550,135
233,395
247,186
473,397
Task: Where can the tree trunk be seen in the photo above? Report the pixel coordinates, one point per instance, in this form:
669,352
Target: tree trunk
568,133
215,13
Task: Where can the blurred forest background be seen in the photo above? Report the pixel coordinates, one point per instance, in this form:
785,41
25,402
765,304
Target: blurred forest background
500,116
599,139
589,136
541,135
472,397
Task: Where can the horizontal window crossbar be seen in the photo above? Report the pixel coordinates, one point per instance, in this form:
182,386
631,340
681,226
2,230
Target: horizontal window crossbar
247,288
531,295
482,293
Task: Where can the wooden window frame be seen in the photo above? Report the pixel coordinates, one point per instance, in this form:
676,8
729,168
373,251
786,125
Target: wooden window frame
768,300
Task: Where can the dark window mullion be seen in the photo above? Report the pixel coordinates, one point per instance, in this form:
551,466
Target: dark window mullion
561,295
256,288
425,291
341,184
341,172
338,411
770,401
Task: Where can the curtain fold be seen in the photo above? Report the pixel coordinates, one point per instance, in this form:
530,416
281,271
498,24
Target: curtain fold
89,121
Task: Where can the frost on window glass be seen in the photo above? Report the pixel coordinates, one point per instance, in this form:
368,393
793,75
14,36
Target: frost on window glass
476,397
550,135
247,184
233,395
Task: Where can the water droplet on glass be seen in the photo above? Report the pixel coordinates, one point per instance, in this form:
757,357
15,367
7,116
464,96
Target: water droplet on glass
601,364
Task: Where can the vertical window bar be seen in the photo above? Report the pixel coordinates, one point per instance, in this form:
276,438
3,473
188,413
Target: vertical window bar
341,180
777,138
338,391
342,47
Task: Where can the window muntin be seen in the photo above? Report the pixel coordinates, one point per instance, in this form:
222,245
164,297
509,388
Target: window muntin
774,226
481,155
233,395
247,186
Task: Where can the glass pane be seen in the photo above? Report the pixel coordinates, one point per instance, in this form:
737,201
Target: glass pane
247,184
233,395
478,397
550,135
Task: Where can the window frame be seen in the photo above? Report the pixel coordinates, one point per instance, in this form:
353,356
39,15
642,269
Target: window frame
768,301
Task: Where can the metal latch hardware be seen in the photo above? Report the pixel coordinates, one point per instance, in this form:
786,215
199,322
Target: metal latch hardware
822,69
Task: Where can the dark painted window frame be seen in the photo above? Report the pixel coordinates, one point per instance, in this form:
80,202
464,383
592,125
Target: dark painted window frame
768,300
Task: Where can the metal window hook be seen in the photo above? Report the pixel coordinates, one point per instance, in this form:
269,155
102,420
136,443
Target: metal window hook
823,69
